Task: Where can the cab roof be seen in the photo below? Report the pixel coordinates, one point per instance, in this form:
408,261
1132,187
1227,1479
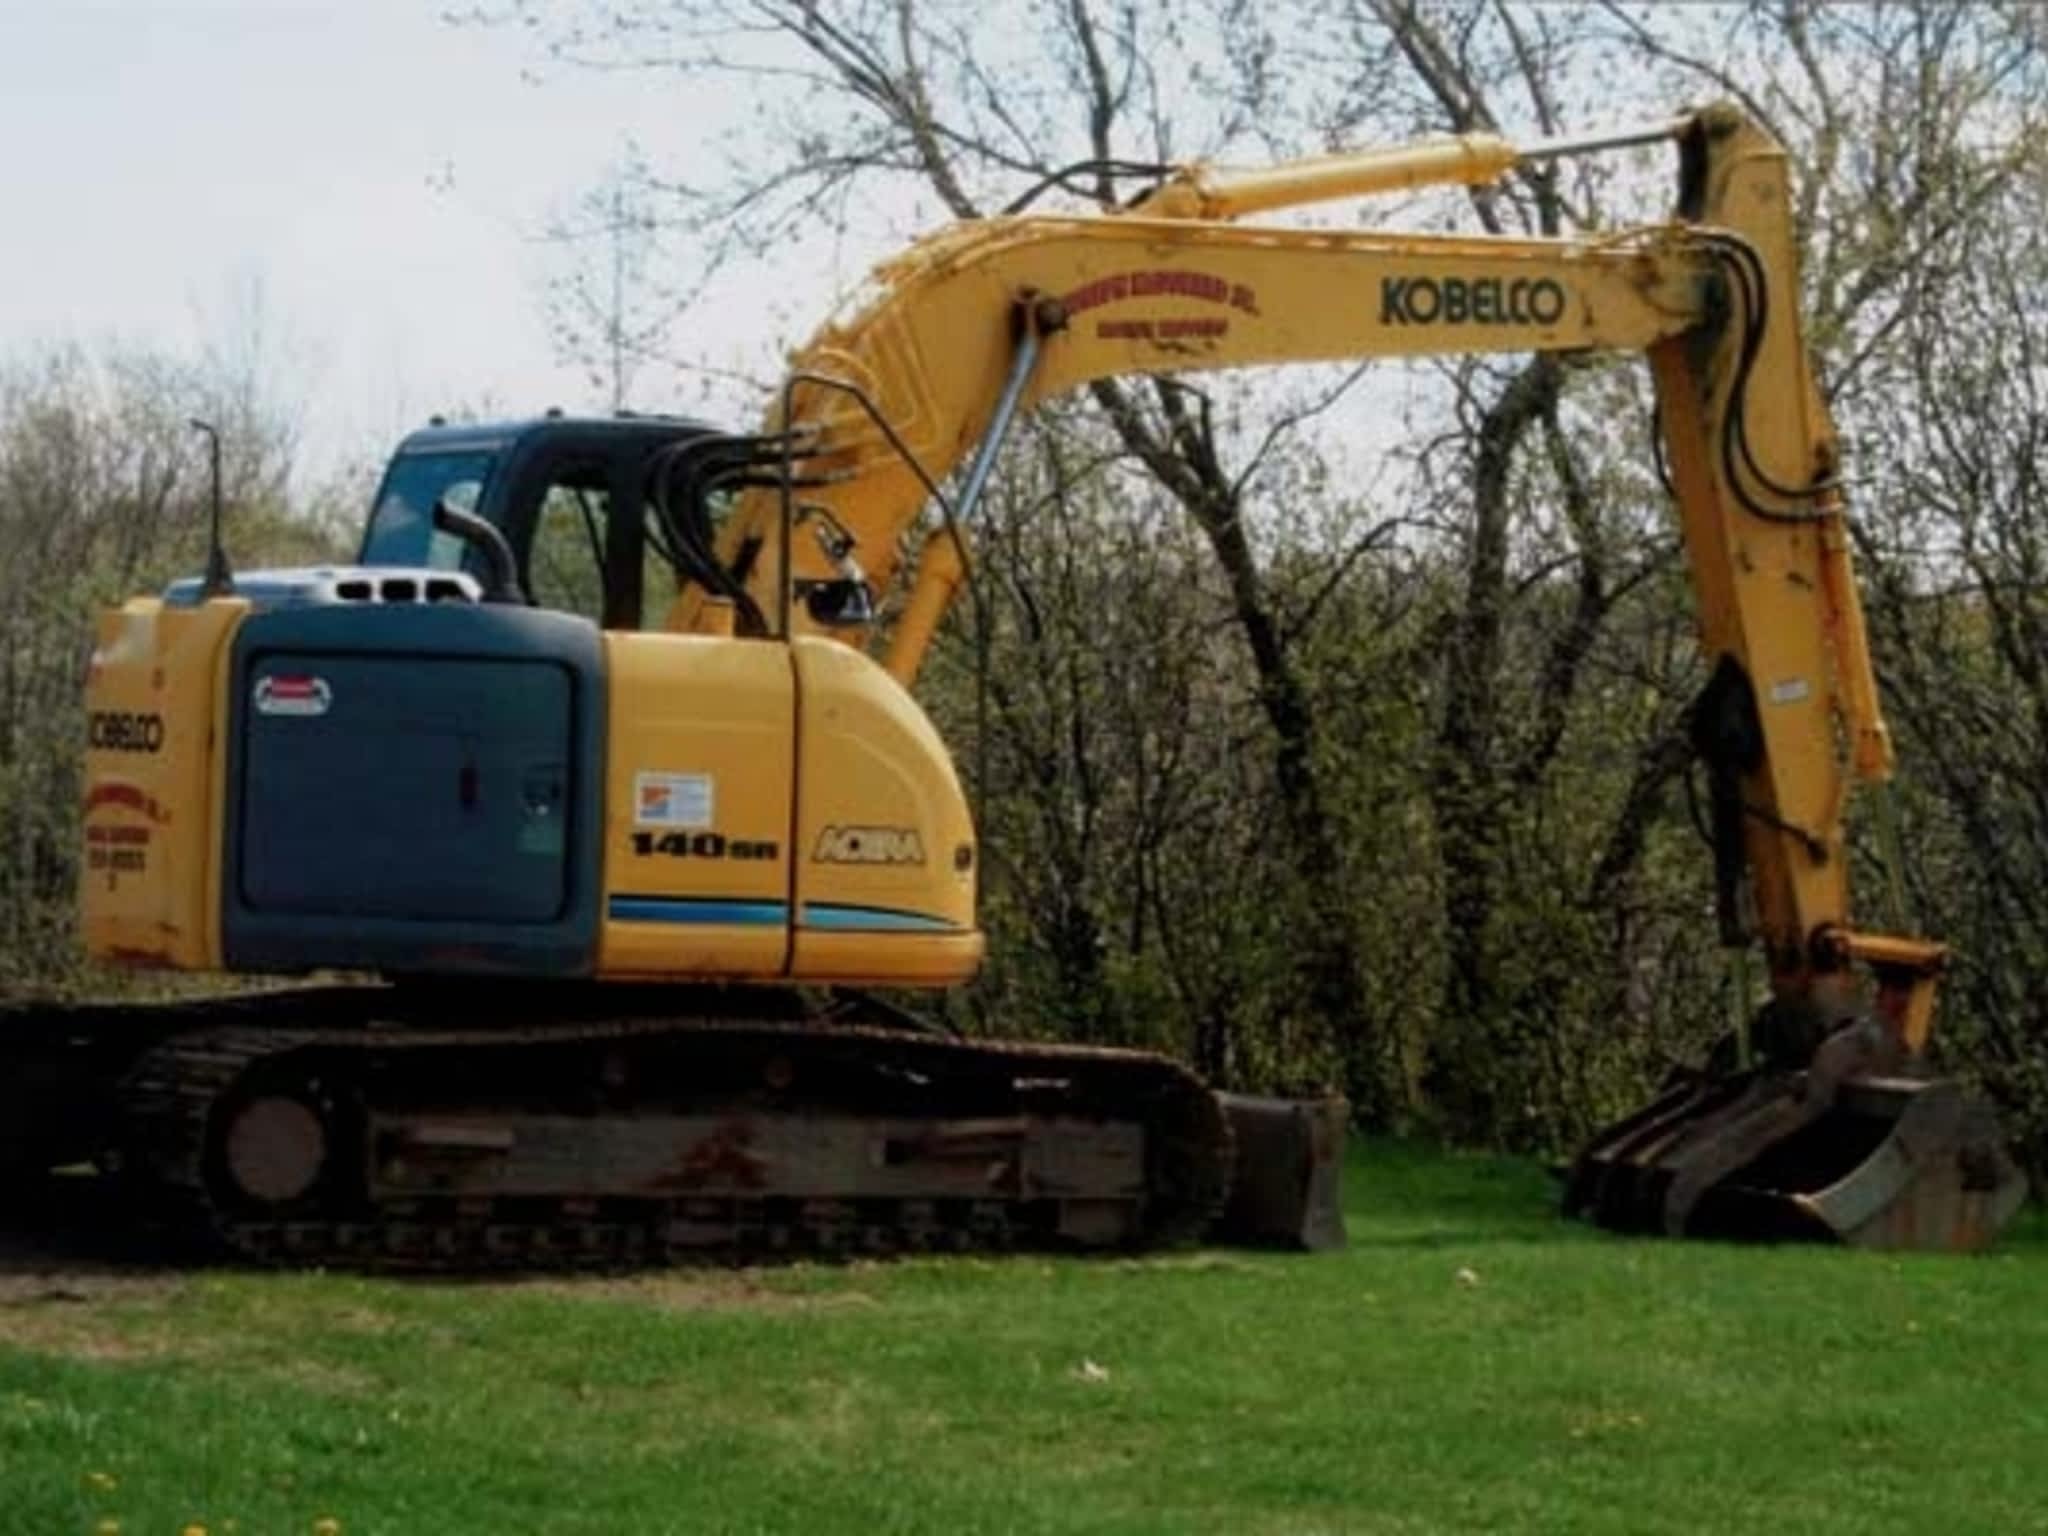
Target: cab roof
623,429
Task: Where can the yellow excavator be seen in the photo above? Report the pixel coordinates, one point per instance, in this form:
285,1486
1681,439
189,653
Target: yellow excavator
602,760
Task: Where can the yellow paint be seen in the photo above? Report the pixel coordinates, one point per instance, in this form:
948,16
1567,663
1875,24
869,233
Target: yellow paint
941,567
148,894
1778,594
817,759
932,347
876,841
883,835
719,711
1207,192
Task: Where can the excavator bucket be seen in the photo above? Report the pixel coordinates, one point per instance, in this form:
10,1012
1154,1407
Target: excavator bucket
1284,1190
1868,1160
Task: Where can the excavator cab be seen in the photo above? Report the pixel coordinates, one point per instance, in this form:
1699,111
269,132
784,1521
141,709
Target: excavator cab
571,497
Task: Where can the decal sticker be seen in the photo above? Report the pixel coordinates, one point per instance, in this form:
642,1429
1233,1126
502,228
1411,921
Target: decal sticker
1201,327
1791,691
848,919
702,845
117,850
1480,301
133,797
672,799
286,695
115,731
868,845
1201,287
1119,286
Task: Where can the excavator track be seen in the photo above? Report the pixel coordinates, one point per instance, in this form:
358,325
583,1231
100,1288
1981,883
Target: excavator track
361,1142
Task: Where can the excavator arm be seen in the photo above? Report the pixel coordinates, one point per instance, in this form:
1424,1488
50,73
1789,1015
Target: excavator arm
986,317
903,389
989,316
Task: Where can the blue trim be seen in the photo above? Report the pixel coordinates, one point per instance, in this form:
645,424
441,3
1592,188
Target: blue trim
698,909
874,919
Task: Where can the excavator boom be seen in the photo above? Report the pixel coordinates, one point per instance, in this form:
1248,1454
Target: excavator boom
930,353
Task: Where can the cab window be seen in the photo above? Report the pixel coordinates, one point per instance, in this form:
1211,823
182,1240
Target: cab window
566,560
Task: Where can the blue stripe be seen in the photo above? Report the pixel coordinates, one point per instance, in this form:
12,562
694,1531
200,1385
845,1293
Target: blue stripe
698,909
874,920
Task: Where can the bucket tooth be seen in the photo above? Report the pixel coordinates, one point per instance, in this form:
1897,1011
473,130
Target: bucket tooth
1619,1180
1290,1156
1867,1160
1772,1109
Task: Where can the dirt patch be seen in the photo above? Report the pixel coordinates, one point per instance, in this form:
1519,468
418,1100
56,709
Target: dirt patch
73,1271
671,1291
79,1287
65,1322
1201,1261
363,1322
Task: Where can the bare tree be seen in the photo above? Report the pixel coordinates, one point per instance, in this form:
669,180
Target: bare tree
103,494
609,307
1509,611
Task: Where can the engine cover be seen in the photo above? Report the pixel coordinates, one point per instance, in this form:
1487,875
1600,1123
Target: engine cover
414,788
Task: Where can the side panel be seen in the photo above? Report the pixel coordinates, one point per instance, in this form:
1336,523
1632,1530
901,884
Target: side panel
147,891
699,780
414,789
885,847
432,791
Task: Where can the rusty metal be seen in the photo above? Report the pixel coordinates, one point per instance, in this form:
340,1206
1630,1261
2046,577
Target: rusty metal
275,1149
1940,1179
304,1126
1848,1150
634,1140
1290,1158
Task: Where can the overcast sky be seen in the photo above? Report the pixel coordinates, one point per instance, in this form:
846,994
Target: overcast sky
379,176
383,180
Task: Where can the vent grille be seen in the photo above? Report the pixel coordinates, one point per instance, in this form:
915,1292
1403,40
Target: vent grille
349,585
404,589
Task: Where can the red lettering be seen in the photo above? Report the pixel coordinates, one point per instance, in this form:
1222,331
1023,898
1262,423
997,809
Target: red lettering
1119,286
1104,290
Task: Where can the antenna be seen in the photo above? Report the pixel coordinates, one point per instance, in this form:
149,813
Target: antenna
219,579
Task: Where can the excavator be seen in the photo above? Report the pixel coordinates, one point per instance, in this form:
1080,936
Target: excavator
600,771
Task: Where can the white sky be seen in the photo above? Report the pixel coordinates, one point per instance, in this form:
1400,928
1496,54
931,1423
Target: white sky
379,176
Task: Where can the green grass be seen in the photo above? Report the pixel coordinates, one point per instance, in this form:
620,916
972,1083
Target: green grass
1568,1381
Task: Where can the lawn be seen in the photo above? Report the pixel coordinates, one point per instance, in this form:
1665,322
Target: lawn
1468,1364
